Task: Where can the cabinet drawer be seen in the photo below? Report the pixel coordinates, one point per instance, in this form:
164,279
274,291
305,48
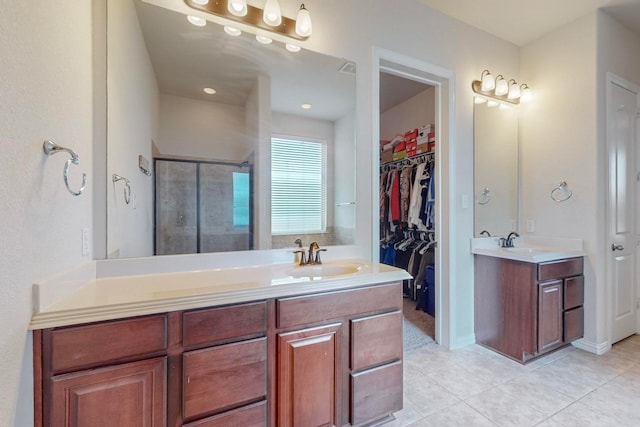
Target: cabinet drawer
334,305
376,393
248,416
559,269
225,376
218,324
573,292
79,347
376,340
573,324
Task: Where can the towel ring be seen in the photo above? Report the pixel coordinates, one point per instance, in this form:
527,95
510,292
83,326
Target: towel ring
563,187
484,197
127,187
50,148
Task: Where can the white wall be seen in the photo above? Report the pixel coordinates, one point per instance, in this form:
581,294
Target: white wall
132,126
345,187
46,93
201,129
416,111
45,88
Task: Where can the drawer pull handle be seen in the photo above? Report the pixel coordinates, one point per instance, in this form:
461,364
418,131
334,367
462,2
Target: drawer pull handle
617,247
549,290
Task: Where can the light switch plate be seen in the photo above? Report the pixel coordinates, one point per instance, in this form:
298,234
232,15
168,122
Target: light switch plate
531,226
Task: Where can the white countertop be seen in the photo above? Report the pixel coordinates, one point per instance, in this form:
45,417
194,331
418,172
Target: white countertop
529,249
134,295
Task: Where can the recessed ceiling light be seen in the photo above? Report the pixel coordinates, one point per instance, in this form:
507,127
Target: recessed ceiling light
209,90
306,106
232,31
200,2
263,39
292,47
197,21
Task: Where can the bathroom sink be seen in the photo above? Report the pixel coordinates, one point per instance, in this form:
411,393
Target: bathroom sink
525,250
323,270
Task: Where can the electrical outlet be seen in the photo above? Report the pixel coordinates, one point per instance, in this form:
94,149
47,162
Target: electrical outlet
86,241
531,226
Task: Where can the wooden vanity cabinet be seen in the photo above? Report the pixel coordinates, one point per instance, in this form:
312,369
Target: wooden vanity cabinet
340,357
332,358
524,310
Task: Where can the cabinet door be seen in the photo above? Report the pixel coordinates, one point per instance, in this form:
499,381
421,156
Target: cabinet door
549,315
309,376
131,394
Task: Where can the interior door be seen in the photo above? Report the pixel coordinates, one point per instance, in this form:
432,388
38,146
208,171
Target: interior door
622,137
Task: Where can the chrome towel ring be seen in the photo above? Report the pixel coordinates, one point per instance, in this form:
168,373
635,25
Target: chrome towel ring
127,187
562,192
484,197
50,148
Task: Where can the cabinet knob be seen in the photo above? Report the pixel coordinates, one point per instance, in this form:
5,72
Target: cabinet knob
617,247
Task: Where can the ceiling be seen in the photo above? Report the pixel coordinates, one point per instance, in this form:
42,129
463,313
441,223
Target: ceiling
523,21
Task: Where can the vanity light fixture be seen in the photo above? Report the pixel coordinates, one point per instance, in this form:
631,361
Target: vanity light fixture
500,90
232,31
488,82
263,39
270,18
514,90
292,47
197,21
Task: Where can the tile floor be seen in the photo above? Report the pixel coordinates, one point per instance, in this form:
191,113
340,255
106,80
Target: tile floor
474,386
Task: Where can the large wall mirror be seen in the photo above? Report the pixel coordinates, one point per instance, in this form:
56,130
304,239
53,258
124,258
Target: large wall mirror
209,155
495,169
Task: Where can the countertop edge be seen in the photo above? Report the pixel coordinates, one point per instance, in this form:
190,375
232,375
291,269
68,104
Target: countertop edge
48,319
543,256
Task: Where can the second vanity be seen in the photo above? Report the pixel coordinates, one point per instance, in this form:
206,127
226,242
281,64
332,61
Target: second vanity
529,298
272,346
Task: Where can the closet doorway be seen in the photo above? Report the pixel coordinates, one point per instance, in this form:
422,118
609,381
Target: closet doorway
408,138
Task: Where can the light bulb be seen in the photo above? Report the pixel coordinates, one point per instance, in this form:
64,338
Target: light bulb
197,21
263,39
501,86
232,31
292,47
526,94
488,82
237,7
514,90
303,22
272,15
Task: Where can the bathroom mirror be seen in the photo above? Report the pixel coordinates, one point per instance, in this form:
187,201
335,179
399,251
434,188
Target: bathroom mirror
216,147
495,169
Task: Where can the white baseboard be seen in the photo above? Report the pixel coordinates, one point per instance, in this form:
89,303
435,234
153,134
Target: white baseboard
592,347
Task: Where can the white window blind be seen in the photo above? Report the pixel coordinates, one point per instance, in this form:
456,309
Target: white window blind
298,186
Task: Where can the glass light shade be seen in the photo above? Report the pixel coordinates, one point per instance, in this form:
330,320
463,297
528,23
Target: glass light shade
197,21
237,7
514,91
526,94
272,14
263,39
501,86
303,22
488,82
232,31
201,2
292,47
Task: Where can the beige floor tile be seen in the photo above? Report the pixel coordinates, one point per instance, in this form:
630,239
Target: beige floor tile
505,409
458,415
406,416
464,382
616,400
427,397
581,415
537,395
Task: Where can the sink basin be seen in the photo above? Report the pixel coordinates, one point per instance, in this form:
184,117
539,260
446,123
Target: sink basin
323,270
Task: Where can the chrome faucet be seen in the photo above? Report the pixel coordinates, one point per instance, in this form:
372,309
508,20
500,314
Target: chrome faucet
312,246
507,242
485,232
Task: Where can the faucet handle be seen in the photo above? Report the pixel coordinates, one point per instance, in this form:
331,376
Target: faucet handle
302,260
318,260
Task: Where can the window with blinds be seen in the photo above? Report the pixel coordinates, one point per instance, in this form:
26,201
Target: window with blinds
298,186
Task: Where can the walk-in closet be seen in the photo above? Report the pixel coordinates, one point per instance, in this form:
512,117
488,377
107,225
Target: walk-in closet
408,240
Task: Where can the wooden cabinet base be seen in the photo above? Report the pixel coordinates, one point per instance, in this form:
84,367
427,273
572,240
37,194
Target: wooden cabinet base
375,393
